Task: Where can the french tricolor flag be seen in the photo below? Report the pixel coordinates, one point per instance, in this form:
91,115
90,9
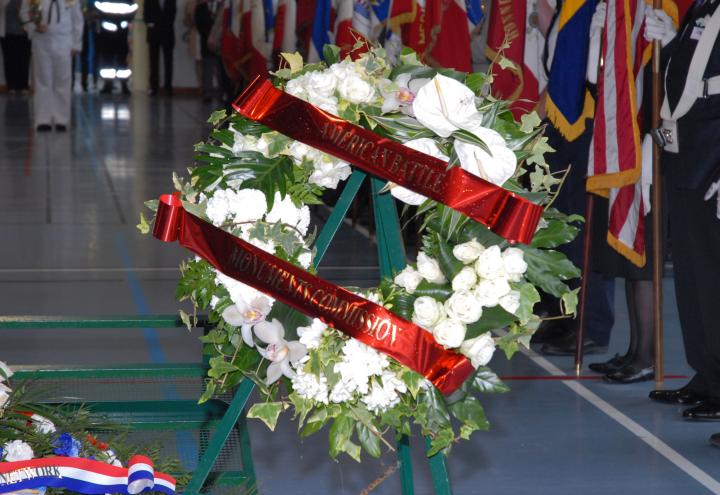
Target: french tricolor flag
84,476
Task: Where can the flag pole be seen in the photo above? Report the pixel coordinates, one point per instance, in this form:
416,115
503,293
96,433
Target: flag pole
587,245
657,215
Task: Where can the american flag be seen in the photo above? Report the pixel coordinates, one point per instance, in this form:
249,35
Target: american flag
615,166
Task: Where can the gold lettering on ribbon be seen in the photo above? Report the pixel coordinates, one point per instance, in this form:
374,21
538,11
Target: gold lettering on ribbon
330,304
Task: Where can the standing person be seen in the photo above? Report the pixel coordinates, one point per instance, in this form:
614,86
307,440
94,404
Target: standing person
114,18
55,28
160,19
15,46
691,160
204,18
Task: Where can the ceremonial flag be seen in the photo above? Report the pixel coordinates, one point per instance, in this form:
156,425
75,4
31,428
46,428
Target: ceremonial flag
253,35
304,24
474,14
615,164
568,101
415,33
285,39
345,36
320,30
448,40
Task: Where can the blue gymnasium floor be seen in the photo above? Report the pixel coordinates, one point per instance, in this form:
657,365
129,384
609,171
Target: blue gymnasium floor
68,208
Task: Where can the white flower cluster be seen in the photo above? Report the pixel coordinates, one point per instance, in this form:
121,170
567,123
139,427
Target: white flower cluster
484,282
363,375
328,171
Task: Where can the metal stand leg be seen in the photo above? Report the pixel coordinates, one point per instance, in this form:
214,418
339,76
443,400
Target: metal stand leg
438,472
406,473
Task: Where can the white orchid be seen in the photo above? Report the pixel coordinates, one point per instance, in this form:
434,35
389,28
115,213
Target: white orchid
445,105
400,93
497,166
245,315
279,351
423,145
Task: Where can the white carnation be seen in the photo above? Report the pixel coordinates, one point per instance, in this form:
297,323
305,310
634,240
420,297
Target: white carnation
359,363
430,269
309,386
408,279
305,259
449,333
514,263
386,394
341,392
285,211
489,292
511,302
427,312
248,205
490,264
17,450
310,336
329,172
465,279
217,208
468,252
480,349
464,307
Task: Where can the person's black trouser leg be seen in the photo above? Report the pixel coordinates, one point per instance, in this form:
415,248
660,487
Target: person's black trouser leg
154,66
168,47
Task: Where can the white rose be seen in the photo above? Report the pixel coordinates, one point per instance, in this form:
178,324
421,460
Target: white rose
408,279
296,87
249,205
356,90
321,83
17,450
489,292
490,264
328,173
514,263
510,302
430,269
5,371
449,333
465,279
464,307
427,312
480,349
467,252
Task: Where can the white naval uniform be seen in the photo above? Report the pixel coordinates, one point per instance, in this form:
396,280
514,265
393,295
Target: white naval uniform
52,57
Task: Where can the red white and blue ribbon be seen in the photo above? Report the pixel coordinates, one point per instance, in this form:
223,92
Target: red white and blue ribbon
84,476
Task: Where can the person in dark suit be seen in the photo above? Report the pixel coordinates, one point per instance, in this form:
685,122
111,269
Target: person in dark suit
160,20
691,161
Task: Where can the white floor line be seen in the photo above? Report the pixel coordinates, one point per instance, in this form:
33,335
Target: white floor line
654,442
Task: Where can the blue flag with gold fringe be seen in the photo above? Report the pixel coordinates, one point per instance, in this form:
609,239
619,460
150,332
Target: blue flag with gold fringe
568,101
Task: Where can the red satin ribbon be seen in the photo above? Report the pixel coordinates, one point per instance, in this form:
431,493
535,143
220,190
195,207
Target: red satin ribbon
339,308
508,215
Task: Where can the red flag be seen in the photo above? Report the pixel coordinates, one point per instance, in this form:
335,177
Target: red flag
522,25
448,42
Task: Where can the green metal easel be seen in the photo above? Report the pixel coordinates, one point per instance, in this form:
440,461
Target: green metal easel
391,257
215,415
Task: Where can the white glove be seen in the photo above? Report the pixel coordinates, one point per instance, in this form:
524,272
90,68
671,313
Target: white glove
596,26
598,18
658,26
713,190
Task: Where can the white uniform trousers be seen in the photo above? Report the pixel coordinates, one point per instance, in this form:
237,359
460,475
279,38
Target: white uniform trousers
52,59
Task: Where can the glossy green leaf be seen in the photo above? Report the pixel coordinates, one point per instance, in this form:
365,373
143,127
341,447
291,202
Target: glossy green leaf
267,412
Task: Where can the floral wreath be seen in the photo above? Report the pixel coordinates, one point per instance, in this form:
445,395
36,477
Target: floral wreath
469,287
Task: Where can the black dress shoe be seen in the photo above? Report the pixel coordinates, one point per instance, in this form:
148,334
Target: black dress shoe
550,332
715,440
44,128
617,362
630,374
679,396
707,411
566,347
60,127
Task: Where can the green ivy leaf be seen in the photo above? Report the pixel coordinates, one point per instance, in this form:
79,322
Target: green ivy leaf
570,301
267,412
529,296
529,122
340,437
442,440
143,226
486,381
216,117
471,413
294,60
476,81
220,367
331,54
208,393
369,440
